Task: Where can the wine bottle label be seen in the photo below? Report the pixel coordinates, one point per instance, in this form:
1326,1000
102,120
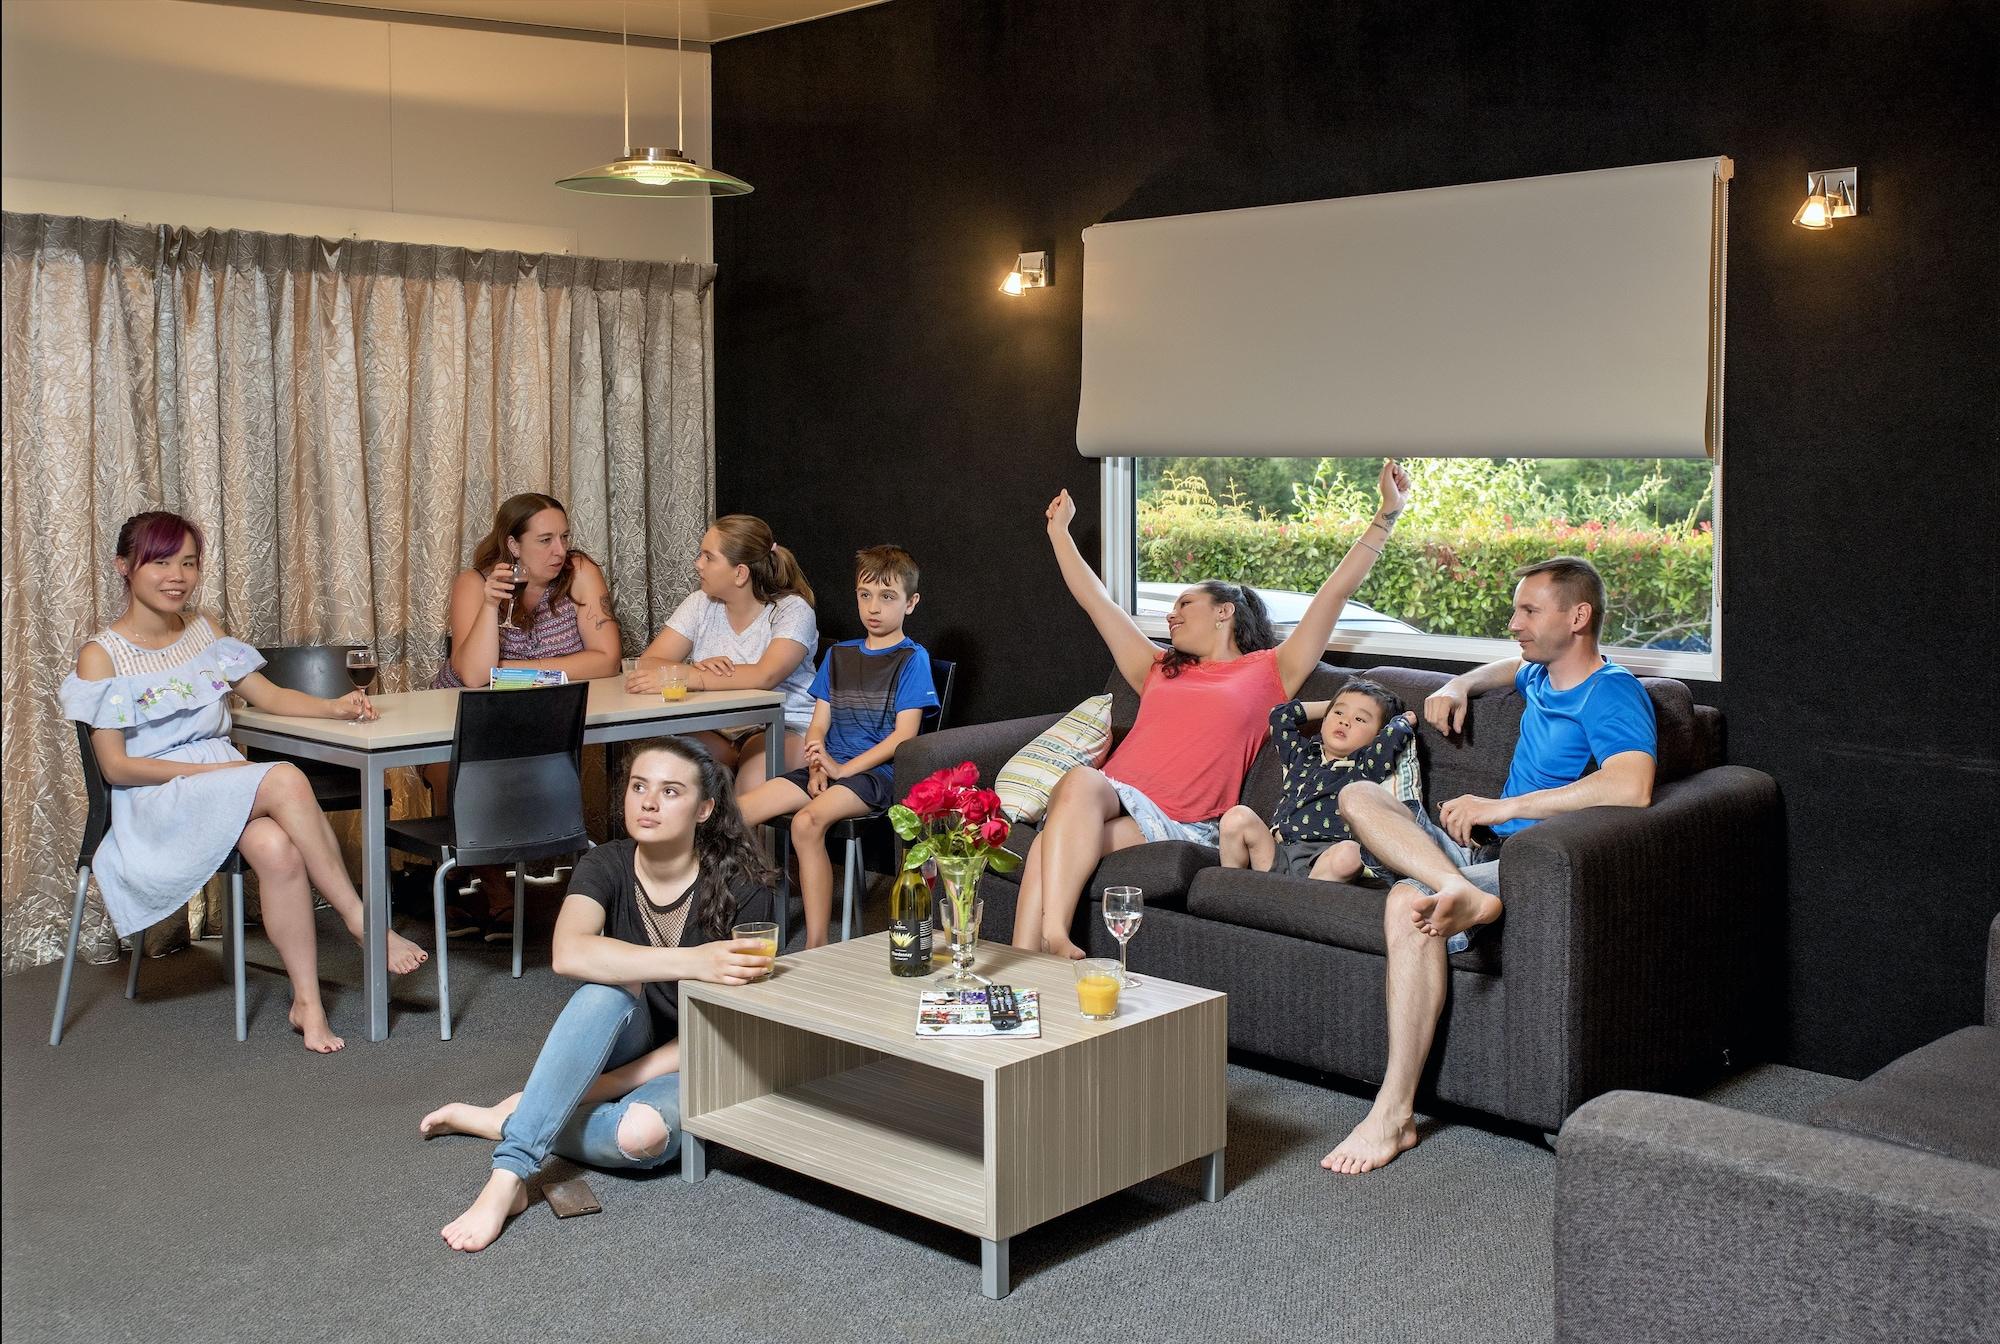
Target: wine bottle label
910,946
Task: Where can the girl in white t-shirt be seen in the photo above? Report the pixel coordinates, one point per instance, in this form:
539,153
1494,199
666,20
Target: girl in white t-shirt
750,626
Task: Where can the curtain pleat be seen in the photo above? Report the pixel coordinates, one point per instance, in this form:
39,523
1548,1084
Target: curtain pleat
342,418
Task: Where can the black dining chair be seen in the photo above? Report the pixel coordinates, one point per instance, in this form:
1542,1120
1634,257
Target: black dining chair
95,827
321,670
516,795
856,832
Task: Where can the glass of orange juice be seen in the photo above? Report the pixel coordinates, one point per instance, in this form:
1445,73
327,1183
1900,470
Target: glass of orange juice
674,682
764,933
1097,983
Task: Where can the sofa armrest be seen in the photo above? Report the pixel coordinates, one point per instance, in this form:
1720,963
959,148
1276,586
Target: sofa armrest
1993,973
987,745
1677,1219
1636,940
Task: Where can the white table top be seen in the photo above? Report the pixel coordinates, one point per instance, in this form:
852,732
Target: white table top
419,718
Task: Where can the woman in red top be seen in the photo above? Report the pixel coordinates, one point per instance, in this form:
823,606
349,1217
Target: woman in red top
1204,707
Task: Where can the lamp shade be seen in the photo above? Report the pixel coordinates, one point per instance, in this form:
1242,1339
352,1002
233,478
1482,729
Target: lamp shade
650,171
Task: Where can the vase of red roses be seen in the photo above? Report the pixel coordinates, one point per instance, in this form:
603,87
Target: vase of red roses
950,821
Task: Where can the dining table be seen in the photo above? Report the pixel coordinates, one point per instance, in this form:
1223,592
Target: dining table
416,728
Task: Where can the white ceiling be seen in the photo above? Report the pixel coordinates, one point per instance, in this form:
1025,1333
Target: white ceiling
705,20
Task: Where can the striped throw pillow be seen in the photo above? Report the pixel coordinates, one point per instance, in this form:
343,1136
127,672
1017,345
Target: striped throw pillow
1083,737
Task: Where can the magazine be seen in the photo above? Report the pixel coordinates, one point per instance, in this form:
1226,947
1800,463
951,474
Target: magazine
962,1012
525,678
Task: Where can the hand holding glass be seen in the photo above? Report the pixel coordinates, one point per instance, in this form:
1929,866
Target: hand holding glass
766,934
1124,907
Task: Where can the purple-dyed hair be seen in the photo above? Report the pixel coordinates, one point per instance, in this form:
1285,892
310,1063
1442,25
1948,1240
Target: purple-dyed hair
155,535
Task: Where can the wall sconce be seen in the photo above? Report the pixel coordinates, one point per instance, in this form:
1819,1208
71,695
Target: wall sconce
1031,271
1830,195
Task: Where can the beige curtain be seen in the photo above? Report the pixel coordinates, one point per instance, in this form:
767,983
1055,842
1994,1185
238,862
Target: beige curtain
341,418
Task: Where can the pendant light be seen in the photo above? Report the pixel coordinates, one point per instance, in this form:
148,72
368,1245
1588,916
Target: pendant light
647,170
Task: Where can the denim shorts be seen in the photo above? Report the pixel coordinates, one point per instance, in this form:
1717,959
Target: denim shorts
1484,874
1157,825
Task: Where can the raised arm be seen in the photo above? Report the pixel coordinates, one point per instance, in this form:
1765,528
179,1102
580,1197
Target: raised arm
474,618
1303,647
1130,649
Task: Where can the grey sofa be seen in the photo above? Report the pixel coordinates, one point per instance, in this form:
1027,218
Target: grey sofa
1879,1220
1627,957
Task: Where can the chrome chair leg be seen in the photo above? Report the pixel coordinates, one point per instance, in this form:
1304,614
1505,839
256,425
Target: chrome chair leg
132,976
445,865
236,952
520,912
69,956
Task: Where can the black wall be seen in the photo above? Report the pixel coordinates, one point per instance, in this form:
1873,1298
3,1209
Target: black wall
872,383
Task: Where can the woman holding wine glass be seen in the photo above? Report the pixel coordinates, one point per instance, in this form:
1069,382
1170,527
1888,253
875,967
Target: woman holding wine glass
528,600
154,687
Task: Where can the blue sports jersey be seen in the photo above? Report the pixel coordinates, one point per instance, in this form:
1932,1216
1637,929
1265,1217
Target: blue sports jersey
1562,732
866,688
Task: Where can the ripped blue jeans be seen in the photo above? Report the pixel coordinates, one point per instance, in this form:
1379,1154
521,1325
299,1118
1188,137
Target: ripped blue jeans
600,1028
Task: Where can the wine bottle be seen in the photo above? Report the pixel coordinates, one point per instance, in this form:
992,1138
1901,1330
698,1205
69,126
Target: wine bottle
910,924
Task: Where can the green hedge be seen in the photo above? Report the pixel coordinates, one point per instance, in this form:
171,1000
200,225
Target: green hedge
1454,582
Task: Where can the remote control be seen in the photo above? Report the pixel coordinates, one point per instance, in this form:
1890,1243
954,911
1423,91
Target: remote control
1002,1008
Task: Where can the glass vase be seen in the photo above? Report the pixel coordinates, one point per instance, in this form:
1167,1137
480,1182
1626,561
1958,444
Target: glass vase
959,909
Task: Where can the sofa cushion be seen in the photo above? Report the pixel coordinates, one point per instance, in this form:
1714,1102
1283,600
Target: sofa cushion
1942,1098
1081,737
1322,912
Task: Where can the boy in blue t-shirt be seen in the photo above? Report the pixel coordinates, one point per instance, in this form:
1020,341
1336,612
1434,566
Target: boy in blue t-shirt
869,698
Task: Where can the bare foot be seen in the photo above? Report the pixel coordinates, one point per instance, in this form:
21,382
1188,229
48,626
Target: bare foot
1375,1142
404,955
455,1117
505,1196
310,1022
1061,946
1456,907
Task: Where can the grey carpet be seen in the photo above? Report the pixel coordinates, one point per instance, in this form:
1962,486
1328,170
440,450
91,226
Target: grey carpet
162,1181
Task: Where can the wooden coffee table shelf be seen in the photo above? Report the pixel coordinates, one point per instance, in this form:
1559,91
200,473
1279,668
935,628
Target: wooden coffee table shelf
819,1070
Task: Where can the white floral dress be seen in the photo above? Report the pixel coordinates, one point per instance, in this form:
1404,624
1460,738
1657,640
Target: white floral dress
173,705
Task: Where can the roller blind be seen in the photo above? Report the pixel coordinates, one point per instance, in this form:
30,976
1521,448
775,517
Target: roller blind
1569,316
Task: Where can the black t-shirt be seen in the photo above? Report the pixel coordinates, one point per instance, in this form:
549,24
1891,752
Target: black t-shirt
606,876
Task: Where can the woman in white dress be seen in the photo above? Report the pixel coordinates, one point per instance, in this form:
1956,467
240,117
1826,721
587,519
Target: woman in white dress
154,686
749,626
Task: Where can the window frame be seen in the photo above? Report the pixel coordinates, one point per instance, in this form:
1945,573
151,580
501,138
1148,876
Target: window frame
1119,478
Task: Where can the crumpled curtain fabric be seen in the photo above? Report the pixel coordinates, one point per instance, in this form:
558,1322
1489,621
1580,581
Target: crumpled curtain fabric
341,418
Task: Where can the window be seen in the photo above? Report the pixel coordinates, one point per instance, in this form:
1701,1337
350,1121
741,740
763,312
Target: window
1444,586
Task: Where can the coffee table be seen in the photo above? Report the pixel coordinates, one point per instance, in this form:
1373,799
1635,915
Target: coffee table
819,1070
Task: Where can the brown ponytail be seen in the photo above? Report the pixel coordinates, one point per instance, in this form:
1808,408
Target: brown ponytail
774,570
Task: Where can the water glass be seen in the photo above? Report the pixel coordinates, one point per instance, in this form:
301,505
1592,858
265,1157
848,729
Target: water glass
1124,908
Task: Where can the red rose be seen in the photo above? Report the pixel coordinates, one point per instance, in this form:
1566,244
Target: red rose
994,832
979,804
929,799
964,775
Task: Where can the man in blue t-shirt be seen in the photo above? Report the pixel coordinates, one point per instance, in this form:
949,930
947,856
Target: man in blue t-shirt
869,698
1580,709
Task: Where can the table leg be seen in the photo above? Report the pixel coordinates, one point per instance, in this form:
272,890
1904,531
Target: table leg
1211,1176
993,1268
694,1158
774,765
375,901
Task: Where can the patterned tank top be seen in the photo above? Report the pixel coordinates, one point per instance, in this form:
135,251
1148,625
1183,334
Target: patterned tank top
552,633
133,660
